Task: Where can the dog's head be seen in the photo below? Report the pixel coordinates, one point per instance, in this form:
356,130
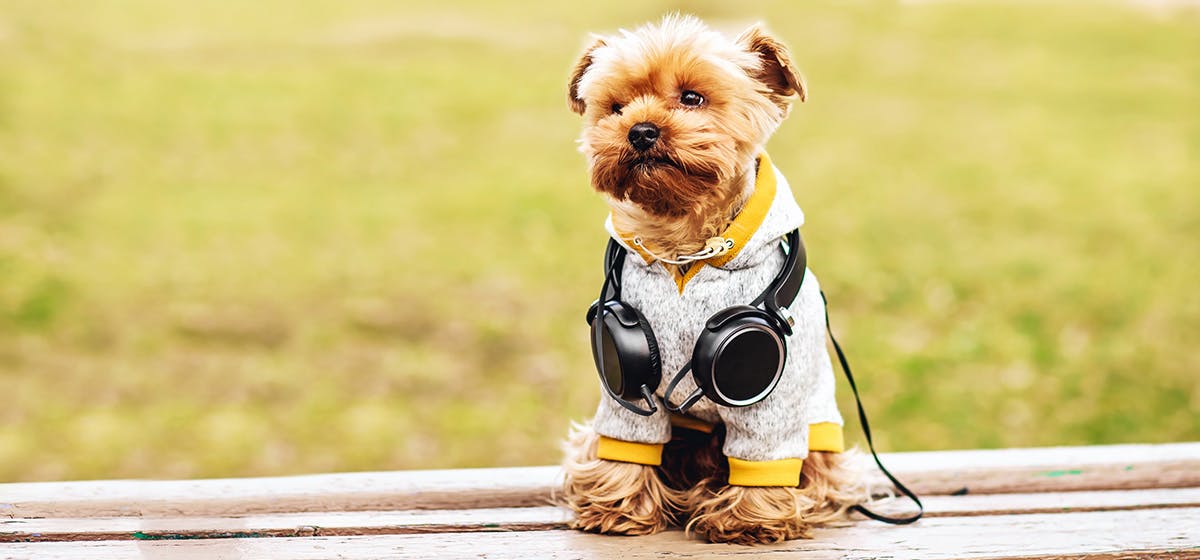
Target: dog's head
675,112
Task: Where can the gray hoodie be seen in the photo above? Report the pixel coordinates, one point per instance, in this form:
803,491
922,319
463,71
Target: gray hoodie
776,428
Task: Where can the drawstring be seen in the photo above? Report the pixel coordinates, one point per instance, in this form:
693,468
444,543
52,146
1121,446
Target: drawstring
715,246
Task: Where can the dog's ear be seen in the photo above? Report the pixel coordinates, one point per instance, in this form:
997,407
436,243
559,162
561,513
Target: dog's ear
573,101
777,72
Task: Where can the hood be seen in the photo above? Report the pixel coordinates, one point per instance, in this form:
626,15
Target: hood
769,214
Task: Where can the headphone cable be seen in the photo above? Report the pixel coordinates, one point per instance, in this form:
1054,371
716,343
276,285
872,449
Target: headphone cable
866,428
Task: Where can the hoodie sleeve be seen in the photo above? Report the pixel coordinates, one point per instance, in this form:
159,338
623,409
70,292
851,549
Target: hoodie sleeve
767,442
629,437
821,409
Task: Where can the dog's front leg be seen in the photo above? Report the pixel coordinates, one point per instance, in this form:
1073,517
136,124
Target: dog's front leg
615,497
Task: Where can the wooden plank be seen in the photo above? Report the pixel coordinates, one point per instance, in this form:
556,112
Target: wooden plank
1151,533
365,491
397,522
524,519
930,473
1048,502
1050,469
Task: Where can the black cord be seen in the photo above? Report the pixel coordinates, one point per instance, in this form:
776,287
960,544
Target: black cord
866,428
689,400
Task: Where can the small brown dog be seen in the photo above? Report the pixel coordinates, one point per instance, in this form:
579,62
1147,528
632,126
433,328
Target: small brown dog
676,118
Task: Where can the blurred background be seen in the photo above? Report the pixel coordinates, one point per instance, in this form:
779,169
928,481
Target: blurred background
273,237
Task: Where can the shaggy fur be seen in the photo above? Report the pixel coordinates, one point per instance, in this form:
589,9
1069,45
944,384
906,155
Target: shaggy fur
628,499
684,189
829,486
692,182
611,497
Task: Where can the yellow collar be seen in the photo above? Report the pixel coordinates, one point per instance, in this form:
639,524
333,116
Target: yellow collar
740,230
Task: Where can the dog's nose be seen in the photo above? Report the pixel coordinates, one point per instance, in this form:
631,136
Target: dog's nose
643,135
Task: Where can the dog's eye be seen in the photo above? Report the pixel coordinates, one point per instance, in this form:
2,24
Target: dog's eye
616,108
691,98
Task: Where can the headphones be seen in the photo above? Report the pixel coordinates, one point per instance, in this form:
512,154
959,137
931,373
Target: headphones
739,355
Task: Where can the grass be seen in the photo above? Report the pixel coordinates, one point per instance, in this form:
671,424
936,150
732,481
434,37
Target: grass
286,237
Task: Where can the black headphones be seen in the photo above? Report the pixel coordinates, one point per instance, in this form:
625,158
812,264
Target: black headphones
739,356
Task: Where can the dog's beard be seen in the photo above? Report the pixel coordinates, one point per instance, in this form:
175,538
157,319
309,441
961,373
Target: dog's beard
660,181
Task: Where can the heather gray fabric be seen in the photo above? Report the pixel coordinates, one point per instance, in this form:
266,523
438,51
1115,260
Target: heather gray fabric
775,428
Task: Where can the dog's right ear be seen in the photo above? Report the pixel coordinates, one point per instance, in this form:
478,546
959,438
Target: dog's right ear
573,101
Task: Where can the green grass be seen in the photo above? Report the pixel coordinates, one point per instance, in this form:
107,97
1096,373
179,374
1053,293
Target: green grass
283,237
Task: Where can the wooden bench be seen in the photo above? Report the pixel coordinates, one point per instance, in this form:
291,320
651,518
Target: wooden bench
1110,502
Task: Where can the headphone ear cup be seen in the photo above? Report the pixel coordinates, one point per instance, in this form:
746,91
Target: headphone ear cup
739,359
625,350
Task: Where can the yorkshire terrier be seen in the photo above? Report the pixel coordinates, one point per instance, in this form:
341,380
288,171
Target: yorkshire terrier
676,117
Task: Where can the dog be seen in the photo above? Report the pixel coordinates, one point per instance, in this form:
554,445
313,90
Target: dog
676,118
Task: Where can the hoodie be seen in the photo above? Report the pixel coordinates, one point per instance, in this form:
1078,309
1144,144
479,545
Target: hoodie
765,442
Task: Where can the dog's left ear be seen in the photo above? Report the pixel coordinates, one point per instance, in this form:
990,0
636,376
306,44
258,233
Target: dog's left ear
778,73
585,61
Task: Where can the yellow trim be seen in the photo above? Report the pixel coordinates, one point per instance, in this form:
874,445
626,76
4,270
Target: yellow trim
628,241
826,436
690,423
740,230
629,451
784,472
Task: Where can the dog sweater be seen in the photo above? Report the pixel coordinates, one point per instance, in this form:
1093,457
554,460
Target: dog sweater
765,442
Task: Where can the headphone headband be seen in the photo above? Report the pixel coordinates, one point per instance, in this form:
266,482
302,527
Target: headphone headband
781,292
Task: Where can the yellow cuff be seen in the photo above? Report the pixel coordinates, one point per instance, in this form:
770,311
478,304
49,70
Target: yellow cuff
826,436
784,472
630,451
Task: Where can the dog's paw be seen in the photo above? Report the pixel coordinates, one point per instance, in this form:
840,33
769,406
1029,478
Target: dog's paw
619,498
751,515
613,497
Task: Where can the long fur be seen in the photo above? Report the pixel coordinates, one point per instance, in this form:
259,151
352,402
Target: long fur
612,497
693,181
675,195
829,486
628,499
830,483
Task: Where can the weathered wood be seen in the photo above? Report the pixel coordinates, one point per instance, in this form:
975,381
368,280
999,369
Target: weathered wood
930,473
365,491
398,522
1047,502
1050,469
524,519
1148,533
330,516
